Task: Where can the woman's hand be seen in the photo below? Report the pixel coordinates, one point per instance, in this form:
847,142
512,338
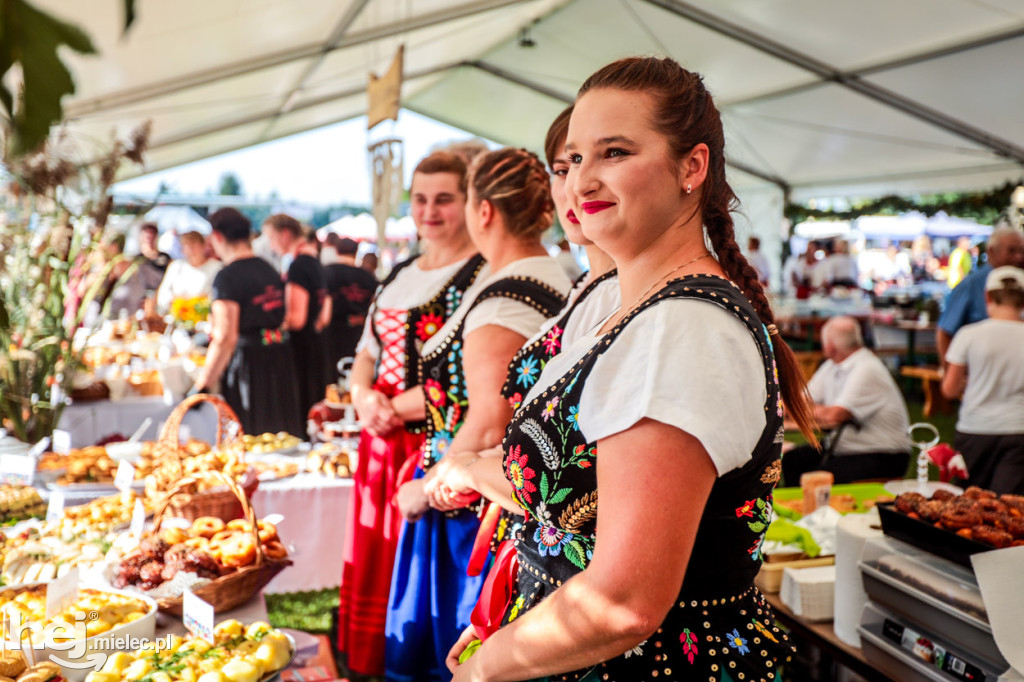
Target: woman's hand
375,412
440,494
461,671
412,501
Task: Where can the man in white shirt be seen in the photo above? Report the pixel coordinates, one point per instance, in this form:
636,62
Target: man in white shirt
759,261
853,387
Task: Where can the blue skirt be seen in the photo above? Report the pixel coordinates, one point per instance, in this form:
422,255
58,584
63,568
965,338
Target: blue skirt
431,595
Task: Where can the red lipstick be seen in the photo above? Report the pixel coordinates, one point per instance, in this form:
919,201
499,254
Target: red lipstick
590,207
570,215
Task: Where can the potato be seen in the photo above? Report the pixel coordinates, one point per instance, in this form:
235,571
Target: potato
137,670
240,671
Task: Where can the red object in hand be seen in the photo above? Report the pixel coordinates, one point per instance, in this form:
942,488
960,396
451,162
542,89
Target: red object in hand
950,462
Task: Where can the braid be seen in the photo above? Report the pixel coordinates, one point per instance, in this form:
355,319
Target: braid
516,183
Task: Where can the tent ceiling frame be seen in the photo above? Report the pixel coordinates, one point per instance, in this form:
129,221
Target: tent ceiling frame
240,68
273,114
851,81
337,35
881,67
567,99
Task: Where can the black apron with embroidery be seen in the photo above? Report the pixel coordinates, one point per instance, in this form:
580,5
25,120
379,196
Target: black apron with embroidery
720,622
441,374
529,361
425,320
523,371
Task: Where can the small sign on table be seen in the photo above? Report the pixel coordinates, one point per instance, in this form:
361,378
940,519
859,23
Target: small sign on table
197,616
61,593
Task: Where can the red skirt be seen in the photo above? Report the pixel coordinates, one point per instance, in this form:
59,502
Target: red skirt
370,543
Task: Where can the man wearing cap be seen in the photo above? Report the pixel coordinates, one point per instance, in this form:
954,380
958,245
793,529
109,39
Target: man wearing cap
351,289
986,367
966,303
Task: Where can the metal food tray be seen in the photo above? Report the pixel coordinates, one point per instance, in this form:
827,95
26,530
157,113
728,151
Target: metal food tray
923,535
922,608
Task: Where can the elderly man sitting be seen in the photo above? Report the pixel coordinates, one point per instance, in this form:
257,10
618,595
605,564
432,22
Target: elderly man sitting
854,388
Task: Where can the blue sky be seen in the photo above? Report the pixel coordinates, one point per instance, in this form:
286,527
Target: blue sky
319,167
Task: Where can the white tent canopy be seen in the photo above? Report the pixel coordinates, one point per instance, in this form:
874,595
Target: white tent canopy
818,98
181,219
363,227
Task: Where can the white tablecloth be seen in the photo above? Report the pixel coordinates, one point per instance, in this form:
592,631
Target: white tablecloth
315,510
88,422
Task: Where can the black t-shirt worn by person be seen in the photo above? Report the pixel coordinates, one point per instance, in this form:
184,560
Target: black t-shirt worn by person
351,290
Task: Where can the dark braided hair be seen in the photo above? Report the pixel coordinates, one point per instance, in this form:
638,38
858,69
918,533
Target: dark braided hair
687,116
517,185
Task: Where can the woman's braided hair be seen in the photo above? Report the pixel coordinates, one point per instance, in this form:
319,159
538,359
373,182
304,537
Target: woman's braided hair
687,116
517,185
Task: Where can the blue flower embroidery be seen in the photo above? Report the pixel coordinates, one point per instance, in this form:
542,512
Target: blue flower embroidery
527,372
737,642
550,540
574,417
439,444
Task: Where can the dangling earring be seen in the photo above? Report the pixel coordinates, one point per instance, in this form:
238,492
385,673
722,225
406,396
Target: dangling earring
689,188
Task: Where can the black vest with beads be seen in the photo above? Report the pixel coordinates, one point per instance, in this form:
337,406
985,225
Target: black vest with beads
441,373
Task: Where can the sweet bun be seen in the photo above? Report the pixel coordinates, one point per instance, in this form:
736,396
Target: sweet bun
12,664
207,526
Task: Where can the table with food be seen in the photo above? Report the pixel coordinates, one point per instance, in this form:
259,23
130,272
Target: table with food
225,518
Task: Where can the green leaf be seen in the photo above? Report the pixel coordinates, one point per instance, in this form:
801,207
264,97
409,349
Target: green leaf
544,486
756,526
560,495
31,38
575,553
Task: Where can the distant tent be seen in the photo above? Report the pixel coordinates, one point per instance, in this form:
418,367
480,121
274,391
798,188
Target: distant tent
181,219
363,227
942,225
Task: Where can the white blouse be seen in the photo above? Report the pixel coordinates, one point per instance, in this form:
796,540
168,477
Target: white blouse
682,362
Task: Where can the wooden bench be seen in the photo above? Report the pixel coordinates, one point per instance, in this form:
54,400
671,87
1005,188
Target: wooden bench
931,382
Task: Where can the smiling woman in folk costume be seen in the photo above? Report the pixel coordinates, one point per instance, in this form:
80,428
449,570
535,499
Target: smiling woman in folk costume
672,409
461,372
594,296
413,303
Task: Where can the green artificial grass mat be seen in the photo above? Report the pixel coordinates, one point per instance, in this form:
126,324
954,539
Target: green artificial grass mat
307,611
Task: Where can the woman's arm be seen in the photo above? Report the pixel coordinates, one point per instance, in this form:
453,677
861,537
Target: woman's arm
410,405
296,306
324,318
487,352
224,316
654,481
480,472
954,381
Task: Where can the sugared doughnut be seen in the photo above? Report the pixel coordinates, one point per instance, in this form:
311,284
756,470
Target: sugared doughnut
266,530
238,551
908,502
991,536
207,526
957,516
976,493
931,510
942,495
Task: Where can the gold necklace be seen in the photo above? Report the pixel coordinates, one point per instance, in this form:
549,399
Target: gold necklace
640,300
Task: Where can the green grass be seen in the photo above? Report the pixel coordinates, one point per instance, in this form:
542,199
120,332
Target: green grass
307,611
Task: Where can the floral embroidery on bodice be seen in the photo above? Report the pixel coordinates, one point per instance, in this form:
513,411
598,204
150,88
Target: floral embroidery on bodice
552,470
441,373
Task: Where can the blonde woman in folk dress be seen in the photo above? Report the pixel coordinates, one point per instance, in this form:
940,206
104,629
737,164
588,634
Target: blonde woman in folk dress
413,303
671,409
461,373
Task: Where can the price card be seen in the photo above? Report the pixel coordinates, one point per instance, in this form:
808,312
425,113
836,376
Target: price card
20,468
61,593
125,476
55,509
274,519
197,616
61,442
138,519
39,448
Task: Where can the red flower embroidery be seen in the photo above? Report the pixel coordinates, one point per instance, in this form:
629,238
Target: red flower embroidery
747,509
553,340
516,400
519,474
428,325
435,394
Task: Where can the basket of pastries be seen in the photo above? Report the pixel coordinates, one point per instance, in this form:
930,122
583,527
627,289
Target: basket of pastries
237,557
204,496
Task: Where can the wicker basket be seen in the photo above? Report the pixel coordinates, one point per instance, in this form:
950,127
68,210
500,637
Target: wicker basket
190,503
233,589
